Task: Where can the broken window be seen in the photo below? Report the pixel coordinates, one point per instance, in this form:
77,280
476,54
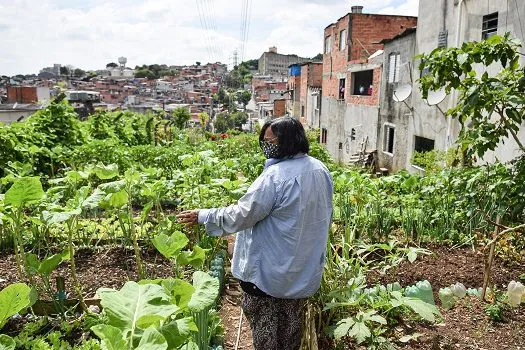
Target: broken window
490,26
363,82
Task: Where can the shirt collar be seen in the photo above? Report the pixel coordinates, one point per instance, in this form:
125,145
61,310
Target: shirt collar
272,161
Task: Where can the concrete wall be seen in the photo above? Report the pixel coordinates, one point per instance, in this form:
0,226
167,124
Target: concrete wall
339,118
398,114
435,16
7,116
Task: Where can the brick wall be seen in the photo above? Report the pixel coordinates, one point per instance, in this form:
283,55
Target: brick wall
365,33
279,108
21,94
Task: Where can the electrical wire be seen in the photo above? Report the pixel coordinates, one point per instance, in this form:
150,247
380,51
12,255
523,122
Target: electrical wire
519,18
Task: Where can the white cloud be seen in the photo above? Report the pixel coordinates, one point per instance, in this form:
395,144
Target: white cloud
89,34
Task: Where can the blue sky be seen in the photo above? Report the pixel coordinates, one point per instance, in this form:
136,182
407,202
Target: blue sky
90,33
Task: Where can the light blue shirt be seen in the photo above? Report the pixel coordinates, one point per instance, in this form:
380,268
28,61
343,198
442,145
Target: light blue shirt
282,223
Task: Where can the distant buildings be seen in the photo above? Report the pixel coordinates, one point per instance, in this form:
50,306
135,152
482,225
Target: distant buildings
276,64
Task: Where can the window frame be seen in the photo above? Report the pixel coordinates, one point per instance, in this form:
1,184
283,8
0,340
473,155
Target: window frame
342,43
486,30
389,137
327,44
393,67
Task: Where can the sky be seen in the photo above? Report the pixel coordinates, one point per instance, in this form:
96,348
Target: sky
88,34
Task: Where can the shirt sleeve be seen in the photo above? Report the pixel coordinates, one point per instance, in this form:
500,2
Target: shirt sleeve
251,208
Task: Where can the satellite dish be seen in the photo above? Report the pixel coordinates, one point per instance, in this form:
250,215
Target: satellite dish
435,97
402,92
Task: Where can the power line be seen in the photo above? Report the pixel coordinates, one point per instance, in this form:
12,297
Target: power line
204,27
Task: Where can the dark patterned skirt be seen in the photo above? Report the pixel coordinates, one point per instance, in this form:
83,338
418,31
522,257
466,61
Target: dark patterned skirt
277,324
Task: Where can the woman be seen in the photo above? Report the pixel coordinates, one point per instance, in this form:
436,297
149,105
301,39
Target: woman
282,225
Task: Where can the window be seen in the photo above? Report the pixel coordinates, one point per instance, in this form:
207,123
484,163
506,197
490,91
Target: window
363,82
342,83
324,134
328,44
342,40
490,26
302,111
388,139
423,144
393,67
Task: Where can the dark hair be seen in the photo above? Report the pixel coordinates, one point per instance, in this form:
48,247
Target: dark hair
290,135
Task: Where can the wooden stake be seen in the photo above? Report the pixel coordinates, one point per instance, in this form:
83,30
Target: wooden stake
490,260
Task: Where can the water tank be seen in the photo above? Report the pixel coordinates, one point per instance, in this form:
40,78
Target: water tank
122,60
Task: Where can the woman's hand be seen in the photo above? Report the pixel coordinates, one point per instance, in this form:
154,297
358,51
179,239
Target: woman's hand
188,217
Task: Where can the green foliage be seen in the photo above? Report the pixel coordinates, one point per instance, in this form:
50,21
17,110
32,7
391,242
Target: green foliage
481,98
14,299
180,116
6,342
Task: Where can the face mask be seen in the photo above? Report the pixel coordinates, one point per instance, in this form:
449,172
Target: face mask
270,150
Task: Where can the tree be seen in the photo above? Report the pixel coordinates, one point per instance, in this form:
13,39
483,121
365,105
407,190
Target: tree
79,73
180,116
198,64
318,57
111,65
64,70
145,73
489,107
244,97
224,121
204,118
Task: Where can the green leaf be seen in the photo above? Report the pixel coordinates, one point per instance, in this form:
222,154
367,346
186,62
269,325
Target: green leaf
105,172
136,306
25,190
178,331
425,310
13,299
179,290
93,201
206,291
51,263
55,217
6,342
170,246
360,332
343,327
195,258
117,199
111,337
412,254
152,339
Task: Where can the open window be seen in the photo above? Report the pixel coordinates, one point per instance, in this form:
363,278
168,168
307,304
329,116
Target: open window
363,82
422,144
342,83
393,67
490,26
342,40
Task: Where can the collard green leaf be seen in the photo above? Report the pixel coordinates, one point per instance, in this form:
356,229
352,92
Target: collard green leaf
13,299
206,291
136,306
179,290
152,339
194,258
50,263
105,172
55,217
25,190
111,337
170,246
178,332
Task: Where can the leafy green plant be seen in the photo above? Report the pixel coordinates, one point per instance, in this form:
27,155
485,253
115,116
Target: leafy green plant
13,299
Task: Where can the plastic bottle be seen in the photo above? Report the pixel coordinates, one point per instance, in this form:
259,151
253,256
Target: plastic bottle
458,290
447,298
515,292
421,290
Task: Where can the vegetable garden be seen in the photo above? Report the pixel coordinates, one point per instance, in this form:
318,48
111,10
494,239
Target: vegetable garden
92,256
